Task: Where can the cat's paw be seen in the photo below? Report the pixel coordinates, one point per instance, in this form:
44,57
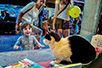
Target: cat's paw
57,62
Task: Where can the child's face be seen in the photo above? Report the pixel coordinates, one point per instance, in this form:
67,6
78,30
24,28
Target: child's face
27,31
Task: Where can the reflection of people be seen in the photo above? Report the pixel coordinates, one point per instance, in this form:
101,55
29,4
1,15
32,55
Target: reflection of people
27,40
12,14
60,19
7,17
2,15
75,23
30,14
50,23
79,24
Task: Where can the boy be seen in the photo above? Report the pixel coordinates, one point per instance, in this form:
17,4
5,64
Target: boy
27,40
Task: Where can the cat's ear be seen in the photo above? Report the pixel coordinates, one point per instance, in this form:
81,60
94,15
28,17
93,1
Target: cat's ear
55,36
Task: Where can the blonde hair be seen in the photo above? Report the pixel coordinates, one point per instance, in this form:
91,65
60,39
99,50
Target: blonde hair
37,1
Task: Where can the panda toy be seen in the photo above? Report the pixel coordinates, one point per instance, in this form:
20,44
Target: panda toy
73,49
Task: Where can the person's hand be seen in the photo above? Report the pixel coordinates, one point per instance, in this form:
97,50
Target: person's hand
41,46
16,47
54,21
17,27
54,29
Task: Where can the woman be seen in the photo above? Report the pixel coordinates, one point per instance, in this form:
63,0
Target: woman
61,21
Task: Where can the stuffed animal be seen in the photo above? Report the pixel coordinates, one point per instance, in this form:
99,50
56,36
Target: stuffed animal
73,49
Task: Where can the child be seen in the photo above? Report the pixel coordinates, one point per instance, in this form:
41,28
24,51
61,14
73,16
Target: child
27,40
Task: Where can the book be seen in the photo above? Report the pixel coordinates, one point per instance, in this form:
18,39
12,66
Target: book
25,63
75,65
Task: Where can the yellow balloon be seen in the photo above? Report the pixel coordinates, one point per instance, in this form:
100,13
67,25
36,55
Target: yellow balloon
74,11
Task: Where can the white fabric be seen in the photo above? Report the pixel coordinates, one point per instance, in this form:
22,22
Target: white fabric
31,14
59,7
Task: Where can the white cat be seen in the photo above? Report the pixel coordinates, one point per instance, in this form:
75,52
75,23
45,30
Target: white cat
74,49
